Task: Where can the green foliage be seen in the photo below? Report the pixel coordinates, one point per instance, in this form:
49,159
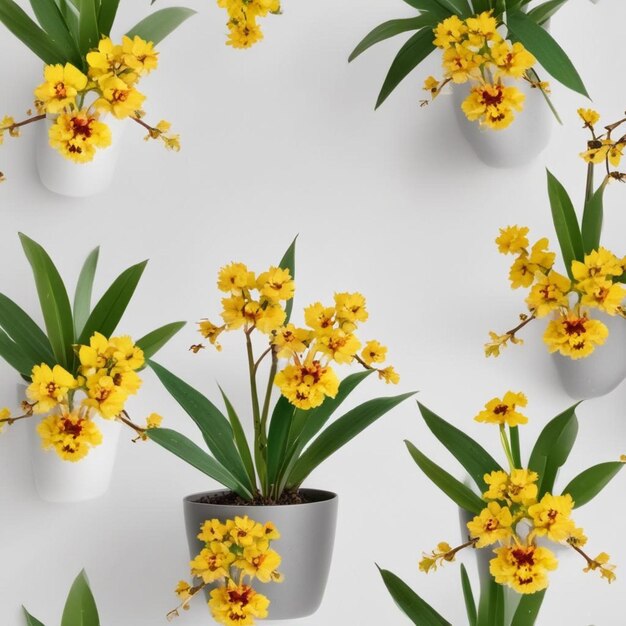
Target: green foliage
23,344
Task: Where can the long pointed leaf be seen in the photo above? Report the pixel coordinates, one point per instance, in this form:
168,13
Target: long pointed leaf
189,452
460,494
31,340
213,425
416,609
390,29
84,289
55,304
528,609
543,12
30,620
52,21
89,34
340,432
588,484
154,341
565,223
547,51
106,15
80,608
288,262
15,356
278,437
470,454
468,596
552,448
412,53
108,312
592,219
159,25
431,6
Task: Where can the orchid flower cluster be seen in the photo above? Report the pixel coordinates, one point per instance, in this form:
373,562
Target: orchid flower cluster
243,28
474,52
517,522
234,550
78,102
107,378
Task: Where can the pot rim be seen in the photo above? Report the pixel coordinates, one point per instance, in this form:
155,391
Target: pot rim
323,496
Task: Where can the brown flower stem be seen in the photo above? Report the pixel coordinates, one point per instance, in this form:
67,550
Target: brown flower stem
260,443
589,560
30,120
359,360
589,185
183,605
125,419
260,359
11,420
142,123
467,544
519,327
268,391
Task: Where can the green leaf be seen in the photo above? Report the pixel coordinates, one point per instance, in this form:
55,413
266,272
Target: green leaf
27,31
543,12
154,341
565,223
461,8
553,447
30,339
14,355
491,607
189,452
159,25
412,53
278,437
55,304
109,310
80,608
288,262
106,15
52,21
213,425
528,609
468,596
470,454
84,289
240,438
515,447
592,219
460,494
390,29
430,6
341,432
30,620
89,33
588,484
416,609
547,51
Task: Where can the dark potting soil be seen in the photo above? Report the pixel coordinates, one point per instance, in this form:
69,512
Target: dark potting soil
232,499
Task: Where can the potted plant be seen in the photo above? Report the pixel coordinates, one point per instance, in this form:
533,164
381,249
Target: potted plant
80,607
263,479
518,526
490,54
232,554
90,87
586,305
78,375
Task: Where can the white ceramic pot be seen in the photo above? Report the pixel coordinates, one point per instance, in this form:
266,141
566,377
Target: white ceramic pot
78,180
306,546
602,371
520,143
57,480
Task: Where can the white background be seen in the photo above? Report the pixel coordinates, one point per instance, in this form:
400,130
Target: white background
279,140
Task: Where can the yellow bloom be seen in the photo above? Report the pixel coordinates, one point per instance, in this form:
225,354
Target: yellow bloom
276,284
257,563
235,279
139,55
49,387
339,346
575,336
601,562
245,532
549,293
523,568
431,84
211,332
183,591
237,605
5,414
351,309
522,272
389,375
233,312
154,420
107,61
497,342
461,64
95,356
604,295
77,135
69,434
62,85
484,25
589,116
104,395
436,558
512,239
450,31
126,354
290,340
540,256
512,60
306,386
599,263
320,318
373,352
243,33
213,530
493,105
551,517
118,98
270,532
213,562
519,487
491,525
577,538
604,150
503,411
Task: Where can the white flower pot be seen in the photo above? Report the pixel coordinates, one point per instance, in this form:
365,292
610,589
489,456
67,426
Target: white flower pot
78,180
602,371
517,145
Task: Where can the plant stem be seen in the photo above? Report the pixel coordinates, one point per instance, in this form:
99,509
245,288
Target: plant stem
260,446
507,447
589,185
